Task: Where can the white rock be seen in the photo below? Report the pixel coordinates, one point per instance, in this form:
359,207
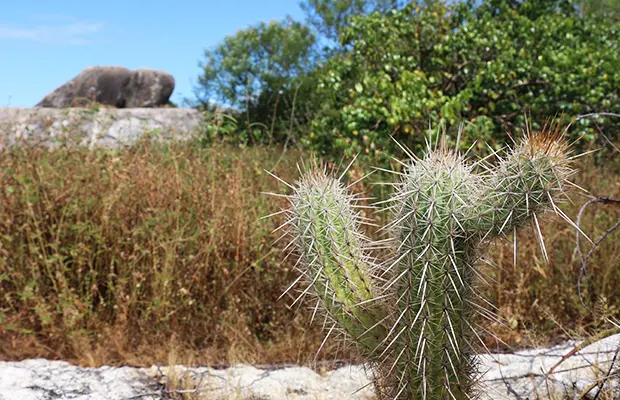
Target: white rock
502,376
47,380
526,372
107,127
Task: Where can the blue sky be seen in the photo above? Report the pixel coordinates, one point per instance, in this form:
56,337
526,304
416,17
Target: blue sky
45,43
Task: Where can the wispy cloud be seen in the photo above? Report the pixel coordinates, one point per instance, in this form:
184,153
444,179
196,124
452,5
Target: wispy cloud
65,31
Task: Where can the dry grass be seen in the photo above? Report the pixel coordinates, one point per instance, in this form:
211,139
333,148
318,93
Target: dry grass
118,257
104,257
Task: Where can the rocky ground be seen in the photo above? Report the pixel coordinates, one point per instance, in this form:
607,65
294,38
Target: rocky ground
104,127
521,375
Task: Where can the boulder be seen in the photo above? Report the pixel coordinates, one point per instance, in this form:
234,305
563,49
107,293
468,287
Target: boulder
103,85
113,86
148,88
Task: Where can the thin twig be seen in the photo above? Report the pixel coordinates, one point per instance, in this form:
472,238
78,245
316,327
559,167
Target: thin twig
600,131
599,114
611,368
585,343
509,387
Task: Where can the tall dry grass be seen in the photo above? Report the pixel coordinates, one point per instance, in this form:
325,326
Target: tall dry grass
108,257
117,257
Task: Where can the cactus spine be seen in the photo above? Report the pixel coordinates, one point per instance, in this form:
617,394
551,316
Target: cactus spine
414,317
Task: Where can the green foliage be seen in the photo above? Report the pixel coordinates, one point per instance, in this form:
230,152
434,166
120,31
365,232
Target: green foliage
483,64
413,317
260,73
607,9
223,127
330,17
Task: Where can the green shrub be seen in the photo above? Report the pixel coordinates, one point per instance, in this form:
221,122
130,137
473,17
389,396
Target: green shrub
486,65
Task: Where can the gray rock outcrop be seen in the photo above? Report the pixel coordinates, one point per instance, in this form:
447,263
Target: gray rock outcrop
103,85
52,127
148,88
113,86
521,375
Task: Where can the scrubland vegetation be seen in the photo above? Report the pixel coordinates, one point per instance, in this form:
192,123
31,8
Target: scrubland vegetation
126,256
120,256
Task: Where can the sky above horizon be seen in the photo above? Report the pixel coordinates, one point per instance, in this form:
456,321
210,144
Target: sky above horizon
43,49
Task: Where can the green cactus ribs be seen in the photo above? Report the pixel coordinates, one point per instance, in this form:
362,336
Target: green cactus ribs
328,238
415,317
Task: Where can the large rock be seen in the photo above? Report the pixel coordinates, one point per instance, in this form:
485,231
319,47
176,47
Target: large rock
519,376
108,127
113,86
148,88
103,85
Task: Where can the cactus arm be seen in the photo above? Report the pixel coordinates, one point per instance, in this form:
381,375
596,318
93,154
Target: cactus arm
444,212
526,183
421,344
330,243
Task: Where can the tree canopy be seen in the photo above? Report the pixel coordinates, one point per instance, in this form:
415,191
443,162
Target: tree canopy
238,69
330,17
399,68
486,65
256,73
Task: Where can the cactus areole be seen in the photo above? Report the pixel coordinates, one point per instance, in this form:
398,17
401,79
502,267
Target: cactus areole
415,317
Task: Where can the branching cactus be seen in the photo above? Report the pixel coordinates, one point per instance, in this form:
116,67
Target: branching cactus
414,317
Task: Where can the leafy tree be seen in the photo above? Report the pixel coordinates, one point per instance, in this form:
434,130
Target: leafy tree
329,17
258,73
487,64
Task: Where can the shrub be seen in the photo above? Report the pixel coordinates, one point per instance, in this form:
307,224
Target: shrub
486,65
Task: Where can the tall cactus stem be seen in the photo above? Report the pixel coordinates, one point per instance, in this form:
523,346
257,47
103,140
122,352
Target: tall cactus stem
415,316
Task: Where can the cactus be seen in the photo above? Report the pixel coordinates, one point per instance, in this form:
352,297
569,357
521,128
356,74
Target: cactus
414,316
